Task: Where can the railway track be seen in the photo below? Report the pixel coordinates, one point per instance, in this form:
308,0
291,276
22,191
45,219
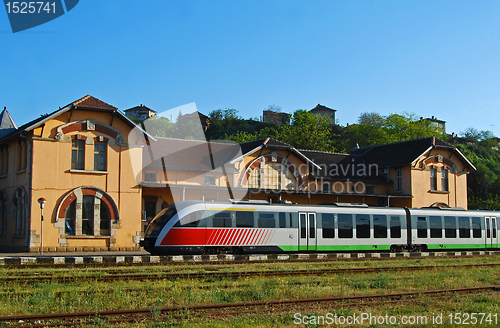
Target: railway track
22,279
81,318
354,258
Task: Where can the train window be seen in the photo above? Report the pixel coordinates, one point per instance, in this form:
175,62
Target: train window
422,227
328,221
380,226
450,227
362,226
294,222
282,220
476,227
190,221
436,225
345,226
464,227
488,233
154,228
395,227
312,225
244,219
494,227
222,220
266,220
303,231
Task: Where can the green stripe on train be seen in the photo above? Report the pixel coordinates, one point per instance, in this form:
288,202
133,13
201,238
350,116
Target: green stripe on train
336,248
459,246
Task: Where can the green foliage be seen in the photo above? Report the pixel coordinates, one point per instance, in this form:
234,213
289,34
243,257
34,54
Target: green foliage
482,149
159,126
306,131
375,129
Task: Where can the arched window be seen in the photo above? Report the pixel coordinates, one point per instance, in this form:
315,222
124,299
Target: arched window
272,176
21,211
87,212
272,171
3,212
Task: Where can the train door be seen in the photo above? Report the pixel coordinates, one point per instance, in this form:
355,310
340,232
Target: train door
491,232
307,231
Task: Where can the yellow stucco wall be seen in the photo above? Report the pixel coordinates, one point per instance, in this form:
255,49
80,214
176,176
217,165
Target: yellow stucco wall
51,178
456,196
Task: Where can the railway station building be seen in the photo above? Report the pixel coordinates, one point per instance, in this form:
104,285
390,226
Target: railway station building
104,178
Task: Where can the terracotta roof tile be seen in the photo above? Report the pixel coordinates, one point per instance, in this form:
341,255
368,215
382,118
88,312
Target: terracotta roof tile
89,101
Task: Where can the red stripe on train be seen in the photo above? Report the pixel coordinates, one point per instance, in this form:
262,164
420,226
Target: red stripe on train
202,236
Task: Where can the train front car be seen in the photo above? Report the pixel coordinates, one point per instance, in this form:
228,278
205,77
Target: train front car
163,237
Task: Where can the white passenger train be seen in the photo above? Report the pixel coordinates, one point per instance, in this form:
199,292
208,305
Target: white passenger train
197,227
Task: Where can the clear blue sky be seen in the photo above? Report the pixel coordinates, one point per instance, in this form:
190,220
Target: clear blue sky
433,58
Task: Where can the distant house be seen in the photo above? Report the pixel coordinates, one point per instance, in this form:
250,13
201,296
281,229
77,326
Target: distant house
140,112
278,118
324,111
195,117
440,125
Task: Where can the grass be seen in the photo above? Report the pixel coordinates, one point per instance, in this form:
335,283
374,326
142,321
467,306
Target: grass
88,295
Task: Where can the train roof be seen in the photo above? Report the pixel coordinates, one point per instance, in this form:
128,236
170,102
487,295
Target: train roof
353,206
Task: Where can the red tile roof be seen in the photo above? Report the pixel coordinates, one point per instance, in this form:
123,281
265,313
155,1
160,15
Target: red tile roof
89,101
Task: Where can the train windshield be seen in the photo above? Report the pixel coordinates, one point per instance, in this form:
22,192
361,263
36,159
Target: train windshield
154,228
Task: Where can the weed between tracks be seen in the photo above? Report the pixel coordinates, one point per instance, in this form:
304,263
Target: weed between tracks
90,295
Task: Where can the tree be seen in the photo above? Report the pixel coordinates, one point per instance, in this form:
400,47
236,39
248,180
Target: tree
307,131
473,135
274,108
224,121
159,126
375,129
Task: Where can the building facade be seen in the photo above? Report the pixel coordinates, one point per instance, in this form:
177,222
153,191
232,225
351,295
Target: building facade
104,178
78,158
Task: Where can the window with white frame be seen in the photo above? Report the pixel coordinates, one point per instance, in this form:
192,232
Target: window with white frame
88,215
433,174
444,180
100,156
210,180
399,178
271,175
78,154
21,211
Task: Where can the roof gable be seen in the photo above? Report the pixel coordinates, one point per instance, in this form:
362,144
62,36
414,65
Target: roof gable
321,108
87,102
92,102
405,152
139,108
